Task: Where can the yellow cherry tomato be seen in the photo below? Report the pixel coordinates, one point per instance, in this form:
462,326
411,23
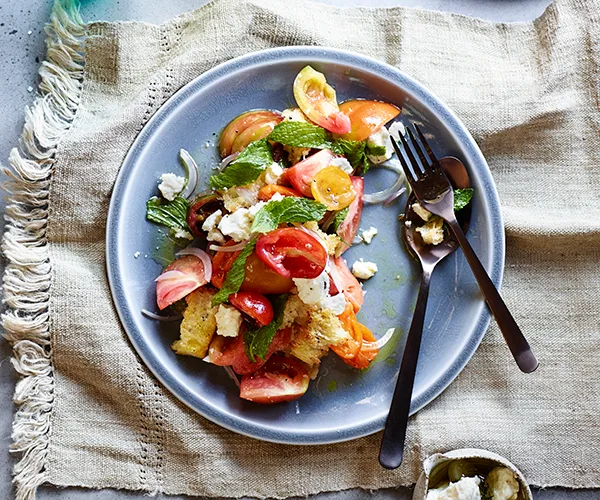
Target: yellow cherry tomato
333,187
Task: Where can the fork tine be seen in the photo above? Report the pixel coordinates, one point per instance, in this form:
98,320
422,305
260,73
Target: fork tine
426,144
418,149
410,176
411,157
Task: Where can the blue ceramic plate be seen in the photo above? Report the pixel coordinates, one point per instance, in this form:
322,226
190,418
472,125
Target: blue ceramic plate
342,403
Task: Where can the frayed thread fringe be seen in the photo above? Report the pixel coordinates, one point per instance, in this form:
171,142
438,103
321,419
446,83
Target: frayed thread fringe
28,274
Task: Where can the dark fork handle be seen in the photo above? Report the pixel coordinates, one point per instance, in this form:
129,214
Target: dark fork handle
392,443
515,340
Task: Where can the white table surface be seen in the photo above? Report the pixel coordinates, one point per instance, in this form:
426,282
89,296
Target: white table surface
21,49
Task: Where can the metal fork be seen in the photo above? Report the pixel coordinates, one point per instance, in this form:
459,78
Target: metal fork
434,192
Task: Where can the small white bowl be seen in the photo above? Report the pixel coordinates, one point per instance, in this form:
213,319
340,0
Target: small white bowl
435,469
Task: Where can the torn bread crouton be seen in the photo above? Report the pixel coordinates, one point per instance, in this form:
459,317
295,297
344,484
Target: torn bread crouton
332,241
312,342
198,326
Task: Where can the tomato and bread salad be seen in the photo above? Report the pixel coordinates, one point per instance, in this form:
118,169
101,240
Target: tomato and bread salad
261,283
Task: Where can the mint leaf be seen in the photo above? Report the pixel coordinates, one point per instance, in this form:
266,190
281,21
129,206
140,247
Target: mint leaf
290,209
172,214
339,218
301,135
306,135
462,197
355,153
246,167
235,276
376,150
257,341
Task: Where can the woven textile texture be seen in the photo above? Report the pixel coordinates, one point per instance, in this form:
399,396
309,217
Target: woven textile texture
91,415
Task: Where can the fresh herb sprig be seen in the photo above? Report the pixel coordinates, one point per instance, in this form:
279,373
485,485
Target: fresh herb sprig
235,276
257,341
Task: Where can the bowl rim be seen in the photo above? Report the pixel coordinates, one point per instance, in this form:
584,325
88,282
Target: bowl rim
452,125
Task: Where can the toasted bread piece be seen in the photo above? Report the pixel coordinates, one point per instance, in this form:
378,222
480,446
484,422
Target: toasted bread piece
198,326
312,342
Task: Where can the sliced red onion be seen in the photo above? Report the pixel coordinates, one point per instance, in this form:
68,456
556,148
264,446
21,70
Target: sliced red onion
232,248
227,160
394,196
158,317
169,275
396,189
232,374
191,171
379,343
203,256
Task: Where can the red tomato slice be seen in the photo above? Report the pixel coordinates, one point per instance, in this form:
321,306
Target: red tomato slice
201,207
367,117
238,125
258,278
318,102
267,192
281,379
255,305
231,352
292,253
300,176
349,284
348,228
188,274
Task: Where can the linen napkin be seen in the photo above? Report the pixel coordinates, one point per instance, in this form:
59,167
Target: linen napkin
90,414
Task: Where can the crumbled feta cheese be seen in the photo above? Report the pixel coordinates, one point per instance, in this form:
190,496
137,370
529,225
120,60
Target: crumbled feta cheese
378,139
171,185
364,269
256,207
212,221
210,226
396,129
369,234
237,225
183,234
277,197
216,236
336,303
136,255
432,232
342,163
502,484
421,212
273,172
312,291
465,489
229,321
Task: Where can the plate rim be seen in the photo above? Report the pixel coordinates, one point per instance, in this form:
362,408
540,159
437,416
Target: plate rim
453,125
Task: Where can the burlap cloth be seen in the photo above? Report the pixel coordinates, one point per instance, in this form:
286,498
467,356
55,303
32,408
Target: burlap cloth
89,412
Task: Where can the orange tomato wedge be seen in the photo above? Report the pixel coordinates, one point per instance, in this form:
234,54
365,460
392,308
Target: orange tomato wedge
317,100
367,117
267,192
359,350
